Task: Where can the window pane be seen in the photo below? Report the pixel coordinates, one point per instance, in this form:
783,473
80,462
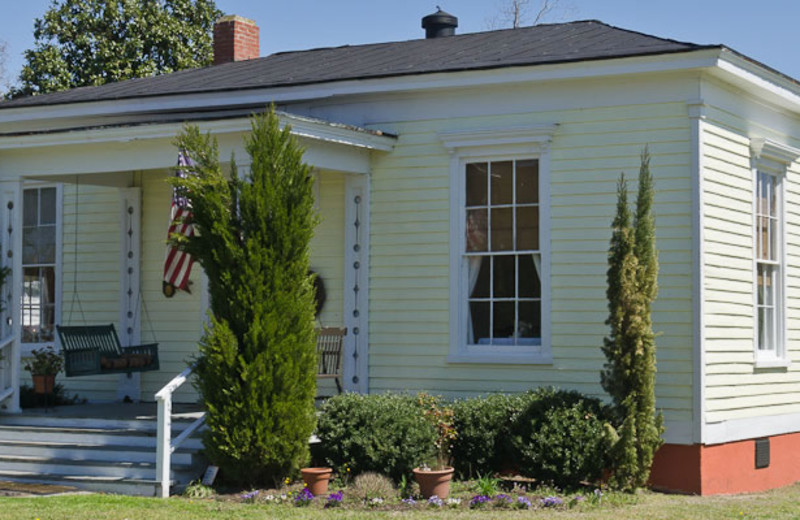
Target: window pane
773,196
767,335
30,208
476,184
47,330
528,228
477,232
773,239
527,181
48,206
479,274
479,315
504,276
529,284
503,320
530,319
47,245
502,231
763,238
502,182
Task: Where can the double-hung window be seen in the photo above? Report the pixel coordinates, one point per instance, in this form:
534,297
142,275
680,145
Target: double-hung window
499,286
502,256
40,252
769,268
770,163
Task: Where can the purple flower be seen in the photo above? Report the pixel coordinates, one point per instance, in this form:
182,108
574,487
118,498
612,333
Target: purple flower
303,498
409,501
552,501
523,503
251,496
334,499
435,501
479,501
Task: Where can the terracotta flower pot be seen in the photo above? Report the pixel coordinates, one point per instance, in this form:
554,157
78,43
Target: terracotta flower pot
44,384
316,479
434,482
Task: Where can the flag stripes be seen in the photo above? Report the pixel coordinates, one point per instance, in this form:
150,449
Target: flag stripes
178,263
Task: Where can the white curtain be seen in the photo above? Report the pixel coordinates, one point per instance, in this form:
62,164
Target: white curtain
537,264
474,270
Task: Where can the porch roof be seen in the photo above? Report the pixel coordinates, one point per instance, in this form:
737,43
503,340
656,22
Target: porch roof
146,143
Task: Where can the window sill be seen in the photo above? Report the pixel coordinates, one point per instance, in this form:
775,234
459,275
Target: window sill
497,358
772,363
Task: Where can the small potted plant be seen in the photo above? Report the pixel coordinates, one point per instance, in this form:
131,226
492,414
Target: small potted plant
435,480
43,366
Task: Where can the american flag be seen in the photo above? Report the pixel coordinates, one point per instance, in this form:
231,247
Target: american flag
178,264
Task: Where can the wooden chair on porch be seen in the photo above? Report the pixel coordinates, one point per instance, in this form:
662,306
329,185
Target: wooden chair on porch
330,341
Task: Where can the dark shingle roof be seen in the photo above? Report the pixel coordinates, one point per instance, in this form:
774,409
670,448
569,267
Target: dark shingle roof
541,44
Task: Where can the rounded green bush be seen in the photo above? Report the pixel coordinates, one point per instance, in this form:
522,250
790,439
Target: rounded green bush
482,427
384,433
560,437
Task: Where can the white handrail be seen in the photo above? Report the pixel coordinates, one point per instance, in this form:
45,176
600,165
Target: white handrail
6,342
164,445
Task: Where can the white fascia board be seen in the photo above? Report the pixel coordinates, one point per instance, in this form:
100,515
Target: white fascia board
751,428
699,59
301,127
762,82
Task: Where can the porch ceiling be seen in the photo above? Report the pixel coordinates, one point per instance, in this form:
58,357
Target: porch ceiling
99,154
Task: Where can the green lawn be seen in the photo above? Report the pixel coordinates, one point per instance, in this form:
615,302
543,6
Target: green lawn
780,504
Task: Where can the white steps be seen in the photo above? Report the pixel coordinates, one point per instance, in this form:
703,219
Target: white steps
115,455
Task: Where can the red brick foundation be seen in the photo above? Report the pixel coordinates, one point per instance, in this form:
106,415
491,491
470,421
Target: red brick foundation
726,468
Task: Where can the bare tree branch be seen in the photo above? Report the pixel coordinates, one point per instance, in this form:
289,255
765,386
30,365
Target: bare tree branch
519,13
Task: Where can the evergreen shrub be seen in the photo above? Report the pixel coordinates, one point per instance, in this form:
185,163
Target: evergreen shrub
257,366
560,437
482,428
384,433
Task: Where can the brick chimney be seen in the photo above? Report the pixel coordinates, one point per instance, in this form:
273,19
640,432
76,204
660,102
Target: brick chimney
235,39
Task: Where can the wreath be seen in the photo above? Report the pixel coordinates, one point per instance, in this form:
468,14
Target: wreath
319,292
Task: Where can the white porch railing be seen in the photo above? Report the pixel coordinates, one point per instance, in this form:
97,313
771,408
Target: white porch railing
7,387
165,446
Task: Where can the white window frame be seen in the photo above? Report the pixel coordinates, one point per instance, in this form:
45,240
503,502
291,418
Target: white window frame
28,347
492,145
771,158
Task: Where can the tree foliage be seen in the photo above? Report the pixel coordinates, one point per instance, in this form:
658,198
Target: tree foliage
257,365
630,349
92,42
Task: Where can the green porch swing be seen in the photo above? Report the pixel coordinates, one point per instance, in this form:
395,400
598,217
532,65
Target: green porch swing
96,349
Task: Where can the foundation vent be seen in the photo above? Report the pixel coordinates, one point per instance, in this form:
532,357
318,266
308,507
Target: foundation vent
762,453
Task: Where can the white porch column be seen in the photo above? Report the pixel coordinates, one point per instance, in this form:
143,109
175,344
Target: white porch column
11,295
129,289
356,284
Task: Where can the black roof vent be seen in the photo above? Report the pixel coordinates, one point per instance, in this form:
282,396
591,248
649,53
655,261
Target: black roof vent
439,24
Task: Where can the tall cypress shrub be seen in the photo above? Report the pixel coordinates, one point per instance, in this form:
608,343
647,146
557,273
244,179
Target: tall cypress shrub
256,370
630,349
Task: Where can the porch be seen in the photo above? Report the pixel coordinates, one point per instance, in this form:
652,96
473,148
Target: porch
108,242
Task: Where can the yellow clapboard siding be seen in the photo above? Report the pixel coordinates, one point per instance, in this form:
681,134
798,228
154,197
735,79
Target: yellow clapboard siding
589,150
734,388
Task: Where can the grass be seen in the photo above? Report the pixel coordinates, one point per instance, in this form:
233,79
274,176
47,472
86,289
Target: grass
779,504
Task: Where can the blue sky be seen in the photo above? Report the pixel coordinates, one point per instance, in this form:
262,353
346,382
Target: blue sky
764,30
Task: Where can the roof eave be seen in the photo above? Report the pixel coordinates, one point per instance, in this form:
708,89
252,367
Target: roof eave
301,127
754,77
662,62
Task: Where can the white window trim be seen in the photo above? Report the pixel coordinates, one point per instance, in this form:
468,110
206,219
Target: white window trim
27,349
771,158
531,142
